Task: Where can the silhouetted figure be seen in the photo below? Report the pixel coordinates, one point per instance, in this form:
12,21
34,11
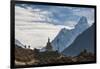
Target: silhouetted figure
58,45
85,51
25,46
29,46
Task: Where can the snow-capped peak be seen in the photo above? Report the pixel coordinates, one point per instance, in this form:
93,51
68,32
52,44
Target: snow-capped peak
82,22
67,37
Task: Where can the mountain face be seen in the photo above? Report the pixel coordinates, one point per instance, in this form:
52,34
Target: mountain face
83,41
66,37
18,44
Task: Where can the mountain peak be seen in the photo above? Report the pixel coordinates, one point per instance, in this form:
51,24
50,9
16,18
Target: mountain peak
82,22
83,19
66,37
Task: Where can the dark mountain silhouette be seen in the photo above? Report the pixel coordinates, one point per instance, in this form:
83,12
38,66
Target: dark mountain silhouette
66,37
83,41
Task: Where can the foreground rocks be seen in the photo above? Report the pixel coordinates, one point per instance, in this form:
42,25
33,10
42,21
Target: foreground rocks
25,57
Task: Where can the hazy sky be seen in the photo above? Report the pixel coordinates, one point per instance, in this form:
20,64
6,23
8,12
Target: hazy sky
35,23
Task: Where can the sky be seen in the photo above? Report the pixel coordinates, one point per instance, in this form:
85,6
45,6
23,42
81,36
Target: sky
35,23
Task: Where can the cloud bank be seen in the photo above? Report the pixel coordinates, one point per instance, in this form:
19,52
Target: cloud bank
35,23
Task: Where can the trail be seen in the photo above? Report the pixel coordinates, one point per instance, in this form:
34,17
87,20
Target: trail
32,62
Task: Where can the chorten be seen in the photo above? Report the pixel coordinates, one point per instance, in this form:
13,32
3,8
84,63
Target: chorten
48,46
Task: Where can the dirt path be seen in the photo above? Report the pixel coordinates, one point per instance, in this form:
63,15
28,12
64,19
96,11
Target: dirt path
25,63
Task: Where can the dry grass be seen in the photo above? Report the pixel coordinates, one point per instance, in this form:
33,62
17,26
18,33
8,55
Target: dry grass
24,55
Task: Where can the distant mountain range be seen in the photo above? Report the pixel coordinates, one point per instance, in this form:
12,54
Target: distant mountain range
71,42
18,44
83,41
66,37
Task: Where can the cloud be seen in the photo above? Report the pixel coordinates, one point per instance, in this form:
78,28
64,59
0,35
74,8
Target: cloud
35,23
30,15
52,14
55,15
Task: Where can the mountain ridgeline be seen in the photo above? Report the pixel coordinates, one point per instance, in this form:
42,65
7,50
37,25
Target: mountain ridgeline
84,41
18,44
66,37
